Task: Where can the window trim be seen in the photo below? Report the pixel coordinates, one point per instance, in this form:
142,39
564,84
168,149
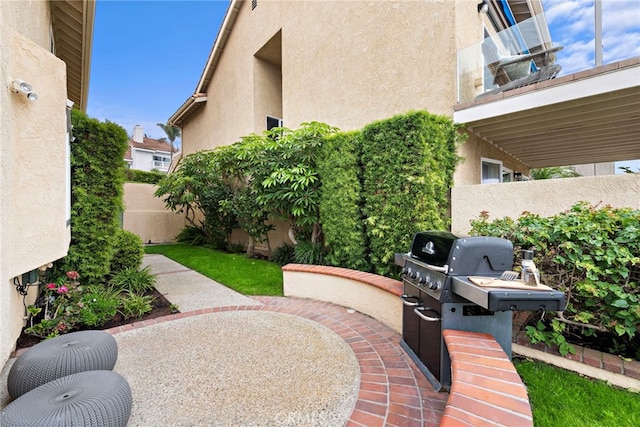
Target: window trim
279,120
491,161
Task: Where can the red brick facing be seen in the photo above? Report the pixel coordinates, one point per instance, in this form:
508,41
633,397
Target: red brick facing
478,396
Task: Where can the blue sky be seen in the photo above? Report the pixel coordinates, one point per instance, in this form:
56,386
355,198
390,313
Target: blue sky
148,57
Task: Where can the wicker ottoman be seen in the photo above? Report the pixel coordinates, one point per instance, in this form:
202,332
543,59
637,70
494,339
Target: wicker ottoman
91,398
61,356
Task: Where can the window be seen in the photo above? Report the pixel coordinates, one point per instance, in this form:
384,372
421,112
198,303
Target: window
491,171
273,122
254,4
161,159
494,172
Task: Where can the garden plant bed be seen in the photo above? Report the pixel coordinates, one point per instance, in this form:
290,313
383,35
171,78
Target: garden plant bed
161,307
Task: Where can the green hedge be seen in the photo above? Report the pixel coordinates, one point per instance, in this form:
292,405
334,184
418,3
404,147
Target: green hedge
408,162
134,175
341,202
592,254
96,195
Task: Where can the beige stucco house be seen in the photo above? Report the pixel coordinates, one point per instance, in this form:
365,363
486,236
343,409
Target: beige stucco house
349,63
340,62
45,52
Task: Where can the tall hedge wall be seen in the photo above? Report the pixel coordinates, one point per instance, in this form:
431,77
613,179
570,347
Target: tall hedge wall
382,185
97,177
341,201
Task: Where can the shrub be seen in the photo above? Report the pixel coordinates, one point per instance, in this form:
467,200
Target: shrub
408,163
135,306
284,254
98,305
134,175
128,251
308,253
235,248
96,199
133,281
341,202
192,235
593,255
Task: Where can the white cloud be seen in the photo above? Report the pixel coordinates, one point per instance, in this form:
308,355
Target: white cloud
572,24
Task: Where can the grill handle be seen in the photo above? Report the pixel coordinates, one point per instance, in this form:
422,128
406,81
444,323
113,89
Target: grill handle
405,300
444,269
427,318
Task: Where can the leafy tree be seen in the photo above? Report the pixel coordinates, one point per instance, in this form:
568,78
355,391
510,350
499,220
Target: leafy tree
198,189
554,173
250,215
172,133
282,165
627,169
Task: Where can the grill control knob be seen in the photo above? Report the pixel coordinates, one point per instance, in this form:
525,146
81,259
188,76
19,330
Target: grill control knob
405,270
422,280
434,286
413,274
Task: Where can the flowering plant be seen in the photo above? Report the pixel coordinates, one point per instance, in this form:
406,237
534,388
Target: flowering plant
59,305
66,304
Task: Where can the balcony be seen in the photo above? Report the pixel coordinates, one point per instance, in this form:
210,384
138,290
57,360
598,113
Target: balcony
160,166
586,111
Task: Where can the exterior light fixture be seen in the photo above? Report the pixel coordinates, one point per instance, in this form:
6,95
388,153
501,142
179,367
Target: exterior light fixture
483,6
24,88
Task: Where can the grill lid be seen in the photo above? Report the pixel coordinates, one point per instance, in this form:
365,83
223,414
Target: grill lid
433,247
476,255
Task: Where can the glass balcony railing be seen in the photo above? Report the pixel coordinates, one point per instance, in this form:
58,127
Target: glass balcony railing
571,36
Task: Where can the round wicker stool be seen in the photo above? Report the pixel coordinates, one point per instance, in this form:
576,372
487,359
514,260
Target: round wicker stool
61,356
91,398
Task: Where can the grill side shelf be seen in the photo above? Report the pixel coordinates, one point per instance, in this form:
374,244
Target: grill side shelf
495,299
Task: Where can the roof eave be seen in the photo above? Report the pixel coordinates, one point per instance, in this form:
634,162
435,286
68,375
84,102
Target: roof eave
187,108
195,100
72,27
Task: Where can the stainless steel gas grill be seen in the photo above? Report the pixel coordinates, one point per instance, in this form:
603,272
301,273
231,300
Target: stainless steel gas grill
438,274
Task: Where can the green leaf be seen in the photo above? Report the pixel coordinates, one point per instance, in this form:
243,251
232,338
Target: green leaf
620,303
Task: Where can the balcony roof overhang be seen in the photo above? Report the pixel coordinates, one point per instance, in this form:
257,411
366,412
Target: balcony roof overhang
588,117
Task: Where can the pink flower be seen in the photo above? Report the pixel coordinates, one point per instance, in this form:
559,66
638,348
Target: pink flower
51,286
72,275
63,290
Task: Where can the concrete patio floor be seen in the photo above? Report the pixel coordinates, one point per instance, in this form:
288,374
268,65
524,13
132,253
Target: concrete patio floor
230,360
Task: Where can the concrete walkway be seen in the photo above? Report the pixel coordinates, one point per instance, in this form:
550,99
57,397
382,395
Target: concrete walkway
188,289
229,360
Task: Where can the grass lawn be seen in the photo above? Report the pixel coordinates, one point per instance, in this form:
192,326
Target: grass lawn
245,275
561,398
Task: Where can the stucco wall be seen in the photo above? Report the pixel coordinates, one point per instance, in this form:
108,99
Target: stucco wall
344,63
146,216
469,171
370,300
33,162
545,197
